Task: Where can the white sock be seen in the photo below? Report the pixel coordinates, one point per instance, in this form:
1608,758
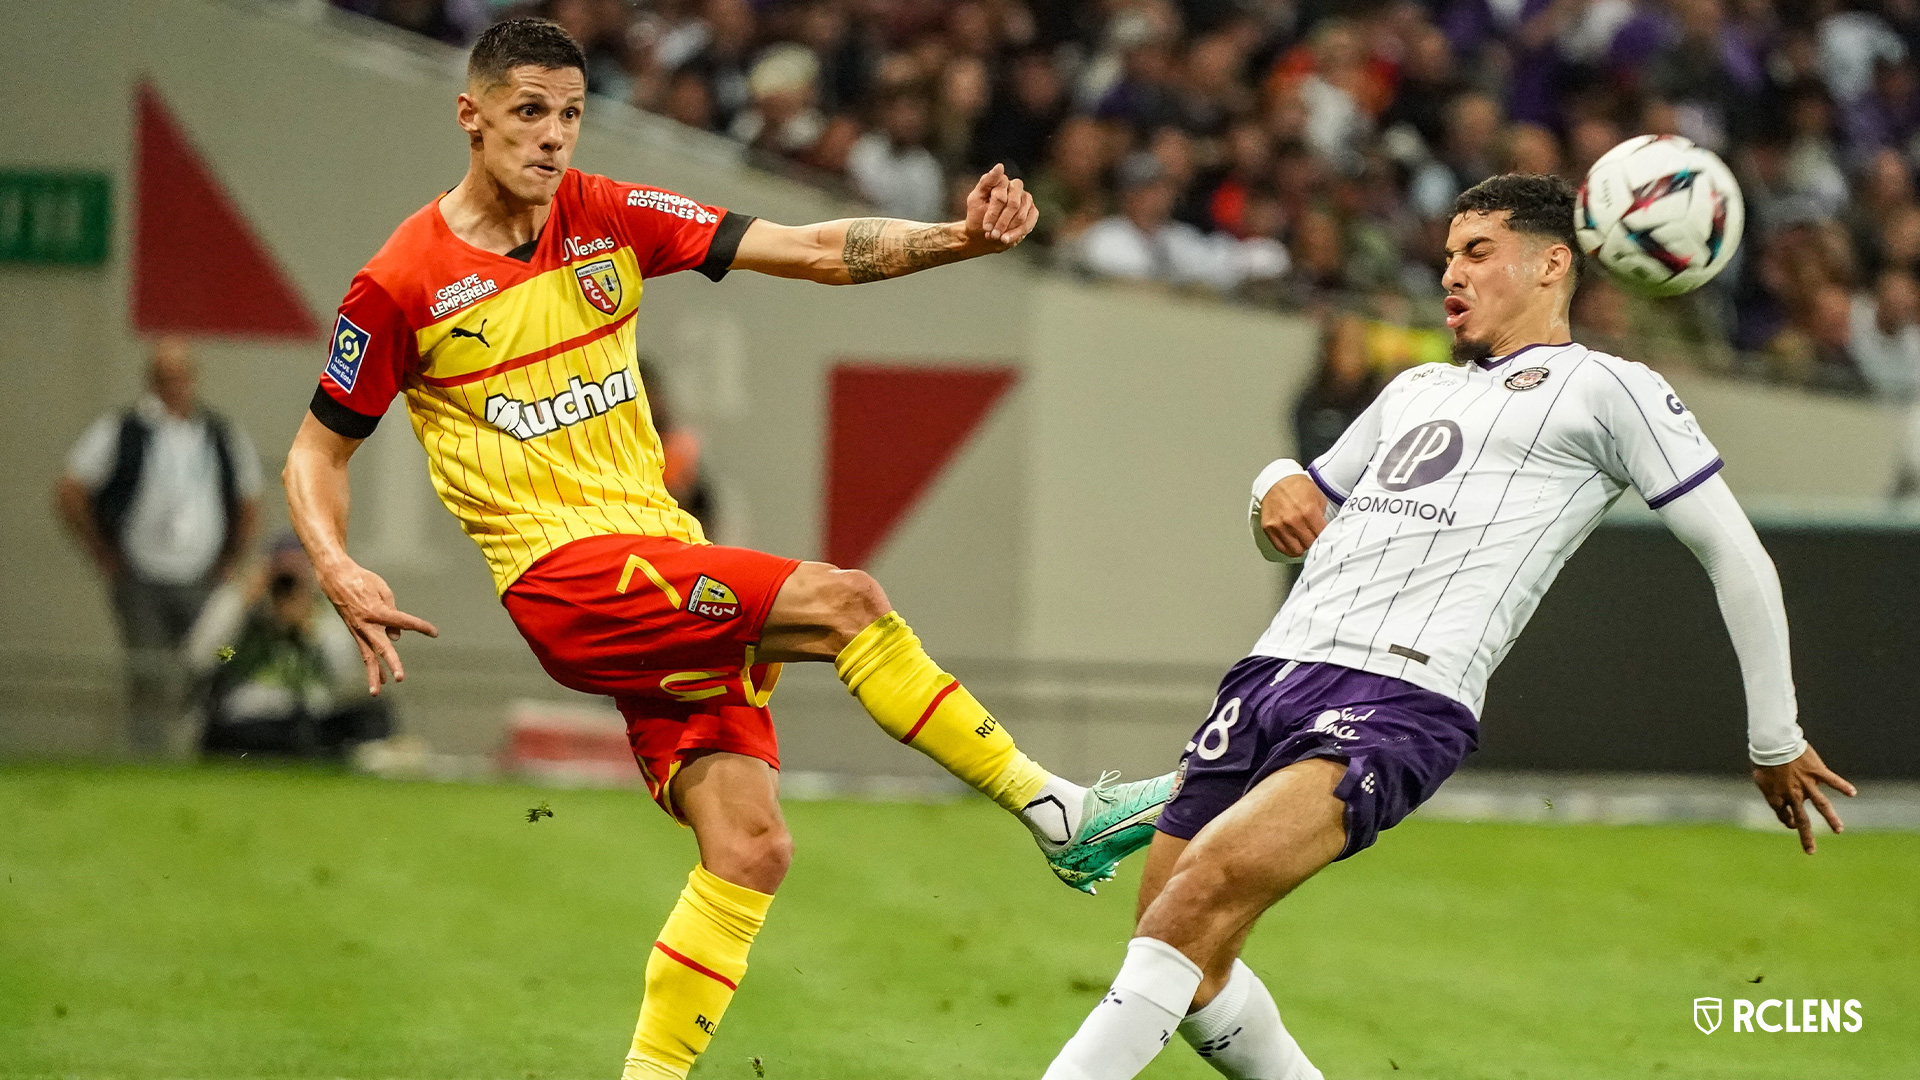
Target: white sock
1136,1018
1239,1033
1054,815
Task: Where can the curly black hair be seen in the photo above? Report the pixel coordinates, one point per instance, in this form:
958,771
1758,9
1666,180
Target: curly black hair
518,43
1535,203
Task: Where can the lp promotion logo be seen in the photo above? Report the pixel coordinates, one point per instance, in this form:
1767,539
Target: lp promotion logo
1775,1014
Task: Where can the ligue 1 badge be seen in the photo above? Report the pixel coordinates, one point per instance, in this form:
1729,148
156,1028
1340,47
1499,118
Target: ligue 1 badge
1527,378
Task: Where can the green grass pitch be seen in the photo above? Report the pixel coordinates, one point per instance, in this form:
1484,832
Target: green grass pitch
226,924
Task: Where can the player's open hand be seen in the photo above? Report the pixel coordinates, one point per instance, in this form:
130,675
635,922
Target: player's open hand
365,604
1790,787
1000,212
1292,513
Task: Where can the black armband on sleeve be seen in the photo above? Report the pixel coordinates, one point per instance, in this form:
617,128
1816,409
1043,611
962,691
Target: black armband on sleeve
726,244
338,418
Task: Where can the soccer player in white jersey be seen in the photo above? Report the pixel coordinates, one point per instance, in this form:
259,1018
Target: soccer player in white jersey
1430,532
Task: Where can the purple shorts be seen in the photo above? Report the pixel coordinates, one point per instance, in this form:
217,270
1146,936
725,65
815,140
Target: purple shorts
1399,742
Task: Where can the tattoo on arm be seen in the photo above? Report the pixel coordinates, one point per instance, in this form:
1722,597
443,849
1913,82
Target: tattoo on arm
880,248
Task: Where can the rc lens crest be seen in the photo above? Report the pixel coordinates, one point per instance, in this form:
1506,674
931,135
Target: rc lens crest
600,283
711,599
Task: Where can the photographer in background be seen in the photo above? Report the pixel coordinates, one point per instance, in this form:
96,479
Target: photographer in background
680,445
280,676
164,497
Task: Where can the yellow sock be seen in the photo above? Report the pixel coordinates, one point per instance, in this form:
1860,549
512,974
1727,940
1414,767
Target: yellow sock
695,967
916,702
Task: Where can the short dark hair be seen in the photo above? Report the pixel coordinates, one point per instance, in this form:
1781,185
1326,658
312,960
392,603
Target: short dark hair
1537,204
516,43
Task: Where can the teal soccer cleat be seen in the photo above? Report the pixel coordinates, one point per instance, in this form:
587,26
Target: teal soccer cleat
1116,820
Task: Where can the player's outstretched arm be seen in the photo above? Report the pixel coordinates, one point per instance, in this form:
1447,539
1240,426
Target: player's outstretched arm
1785,768
853,251
317,497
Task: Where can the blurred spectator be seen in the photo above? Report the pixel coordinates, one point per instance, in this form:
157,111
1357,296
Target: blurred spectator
680,444
1174,150
1427,83
1024,113
1143,243
1071,191
782,118
1338,89
1341,390
964,93
1851,43
847,56
1813,159
1358,356
717,48
1899,241
1888,116
1884,335
1531,149
1213,89
1144,95
1587,138
689,100
1802,259
1710,71
1319,253
600,26
1885,190
1466,157
163,497
892,167
1247,169
1815,347
280,675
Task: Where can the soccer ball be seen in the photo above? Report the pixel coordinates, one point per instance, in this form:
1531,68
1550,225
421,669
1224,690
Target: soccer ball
1661,214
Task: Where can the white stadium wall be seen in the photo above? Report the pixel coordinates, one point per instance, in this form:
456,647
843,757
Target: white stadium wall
1082,559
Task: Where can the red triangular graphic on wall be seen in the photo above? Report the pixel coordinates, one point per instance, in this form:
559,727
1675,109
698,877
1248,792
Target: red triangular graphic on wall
198,266
890,430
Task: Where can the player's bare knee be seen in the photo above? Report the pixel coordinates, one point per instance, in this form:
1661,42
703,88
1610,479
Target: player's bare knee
756,855
1195,908
771,853
821,609
855,601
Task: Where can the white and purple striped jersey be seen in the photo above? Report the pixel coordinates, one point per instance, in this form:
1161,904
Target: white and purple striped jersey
1461,493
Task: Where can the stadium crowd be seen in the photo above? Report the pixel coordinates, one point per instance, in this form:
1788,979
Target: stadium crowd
1305,152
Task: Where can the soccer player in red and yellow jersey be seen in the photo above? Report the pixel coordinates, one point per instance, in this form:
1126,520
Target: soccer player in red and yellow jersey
504,311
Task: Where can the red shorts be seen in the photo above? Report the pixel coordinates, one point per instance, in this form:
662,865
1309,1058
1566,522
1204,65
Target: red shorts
668,630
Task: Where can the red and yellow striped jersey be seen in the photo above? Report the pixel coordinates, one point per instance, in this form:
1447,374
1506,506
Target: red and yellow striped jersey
520,373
